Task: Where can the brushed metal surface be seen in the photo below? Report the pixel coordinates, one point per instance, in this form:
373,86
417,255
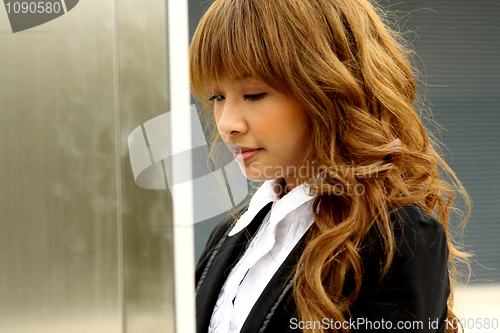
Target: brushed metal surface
147,213
62,206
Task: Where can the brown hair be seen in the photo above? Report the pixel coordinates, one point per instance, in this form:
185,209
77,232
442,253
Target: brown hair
353,74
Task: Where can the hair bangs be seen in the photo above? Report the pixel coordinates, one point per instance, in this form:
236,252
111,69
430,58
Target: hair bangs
237,39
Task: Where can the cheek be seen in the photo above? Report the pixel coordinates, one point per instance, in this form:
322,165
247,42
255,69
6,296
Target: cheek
296,140
265,127
302,127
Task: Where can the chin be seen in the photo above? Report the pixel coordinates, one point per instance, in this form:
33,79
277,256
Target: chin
257,177
255,172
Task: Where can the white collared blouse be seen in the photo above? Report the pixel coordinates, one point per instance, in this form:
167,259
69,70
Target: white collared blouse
285,224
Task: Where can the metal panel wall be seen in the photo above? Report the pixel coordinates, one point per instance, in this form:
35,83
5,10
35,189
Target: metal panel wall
82,248
458,44
147,222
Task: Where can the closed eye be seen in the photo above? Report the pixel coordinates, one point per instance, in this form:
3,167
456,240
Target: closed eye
216,98
254,97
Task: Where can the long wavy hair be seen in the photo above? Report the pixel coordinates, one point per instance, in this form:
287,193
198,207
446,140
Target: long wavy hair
354,75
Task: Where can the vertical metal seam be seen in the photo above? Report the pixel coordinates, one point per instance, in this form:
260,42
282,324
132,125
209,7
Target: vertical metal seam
118,170
228,187
169,108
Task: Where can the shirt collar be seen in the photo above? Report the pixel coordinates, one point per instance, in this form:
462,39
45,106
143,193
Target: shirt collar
281,207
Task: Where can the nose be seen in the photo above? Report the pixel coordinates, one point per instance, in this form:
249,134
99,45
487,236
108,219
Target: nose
231,120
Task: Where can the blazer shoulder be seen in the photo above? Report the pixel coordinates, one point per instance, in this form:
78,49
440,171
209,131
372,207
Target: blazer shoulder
415,215
415,231
417,286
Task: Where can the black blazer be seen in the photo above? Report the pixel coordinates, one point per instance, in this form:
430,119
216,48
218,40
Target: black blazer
412,298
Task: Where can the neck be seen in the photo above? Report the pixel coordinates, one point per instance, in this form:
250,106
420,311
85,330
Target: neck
283,186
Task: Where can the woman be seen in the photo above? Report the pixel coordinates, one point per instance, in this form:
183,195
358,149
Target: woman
316,98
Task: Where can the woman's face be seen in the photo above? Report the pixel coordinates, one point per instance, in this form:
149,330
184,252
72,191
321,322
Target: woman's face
266,130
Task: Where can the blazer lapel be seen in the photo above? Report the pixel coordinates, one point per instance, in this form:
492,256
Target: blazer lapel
273,294
219,268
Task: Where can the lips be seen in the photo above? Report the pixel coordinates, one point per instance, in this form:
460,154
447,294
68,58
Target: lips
246,155
243,154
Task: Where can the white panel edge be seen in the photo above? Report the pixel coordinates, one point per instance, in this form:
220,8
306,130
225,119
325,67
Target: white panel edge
183,237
